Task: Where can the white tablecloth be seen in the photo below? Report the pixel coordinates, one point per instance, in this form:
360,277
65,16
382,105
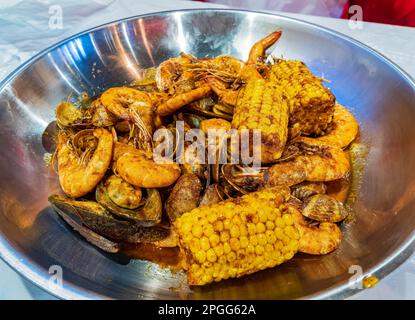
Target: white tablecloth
25,31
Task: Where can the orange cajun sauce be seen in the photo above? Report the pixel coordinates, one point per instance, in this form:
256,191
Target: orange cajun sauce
338,189
165,257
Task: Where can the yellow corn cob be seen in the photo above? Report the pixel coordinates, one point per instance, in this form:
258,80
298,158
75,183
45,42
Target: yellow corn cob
237,237
262,105
311,104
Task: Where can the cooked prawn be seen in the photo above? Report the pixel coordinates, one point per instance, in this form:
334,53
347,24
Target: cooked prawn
324,163
101,117
180,100
228,69
78,177
236,69
137,168
135,106
344,130
287,173
118,101
316,239
258,49
327,164
225,68
169,72
226,96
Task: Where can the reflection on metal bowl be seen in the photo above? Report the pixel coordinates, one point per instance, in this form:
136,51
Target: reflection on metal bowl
33,238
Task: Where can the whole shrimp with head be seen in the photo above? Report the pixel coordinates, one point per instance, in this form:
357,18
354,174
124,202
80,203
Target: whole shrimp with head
83,160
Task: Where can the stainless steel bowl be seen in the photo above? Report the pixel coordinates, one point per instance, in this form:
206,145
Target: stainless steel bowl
33,240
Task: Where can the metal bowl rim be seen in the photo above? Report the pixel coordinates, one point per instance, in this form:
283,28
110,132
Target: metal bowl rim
31,272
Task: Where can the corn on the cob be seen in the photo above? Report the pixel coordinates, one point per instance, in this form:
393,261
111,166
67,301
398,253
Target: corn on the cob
262,105
238,236
311,104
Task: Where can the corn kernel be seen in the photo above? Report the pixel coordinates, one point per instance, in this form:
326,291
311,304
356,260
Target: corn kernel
200,256
243,231
216,270
198,274
218,225
224,236
210,255
214,240
276,256
233,272
271,238
236,220
262,239
206,278
194,268
197,231
228,213
250,249
194,245
222,260
253,240
280,259
204,243
254,219
270,225
234,243
269,248
263,216
260,228
251,228
241,254
226,224
234,231
259,260
259,249
186,227
293,245
211,217
279,222
187,237
286,240
288,255
243,242
224,274
279,233
231,256
278,245
226,248
272,215
218,249
208,230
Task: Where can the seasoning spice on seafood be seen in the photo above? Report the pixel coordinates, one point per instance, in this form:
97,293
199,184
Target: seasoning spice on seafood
219,219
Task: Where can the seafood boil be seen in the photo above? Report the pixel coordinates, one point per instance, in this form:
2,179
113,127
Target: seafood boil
201,205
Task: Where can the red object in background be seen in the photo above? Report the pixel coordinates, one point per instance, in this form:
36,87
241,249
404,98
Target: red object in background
400,12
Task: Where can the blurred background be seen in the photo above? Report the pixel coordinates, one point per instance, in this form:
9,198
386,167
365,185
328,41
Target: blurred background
398,12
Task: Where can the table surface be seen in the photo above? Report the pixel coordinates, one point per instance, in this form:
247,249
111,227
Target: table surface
25,32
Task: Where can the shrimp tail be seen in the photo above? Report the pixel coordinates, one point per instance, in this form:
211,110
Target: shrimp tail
258,49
